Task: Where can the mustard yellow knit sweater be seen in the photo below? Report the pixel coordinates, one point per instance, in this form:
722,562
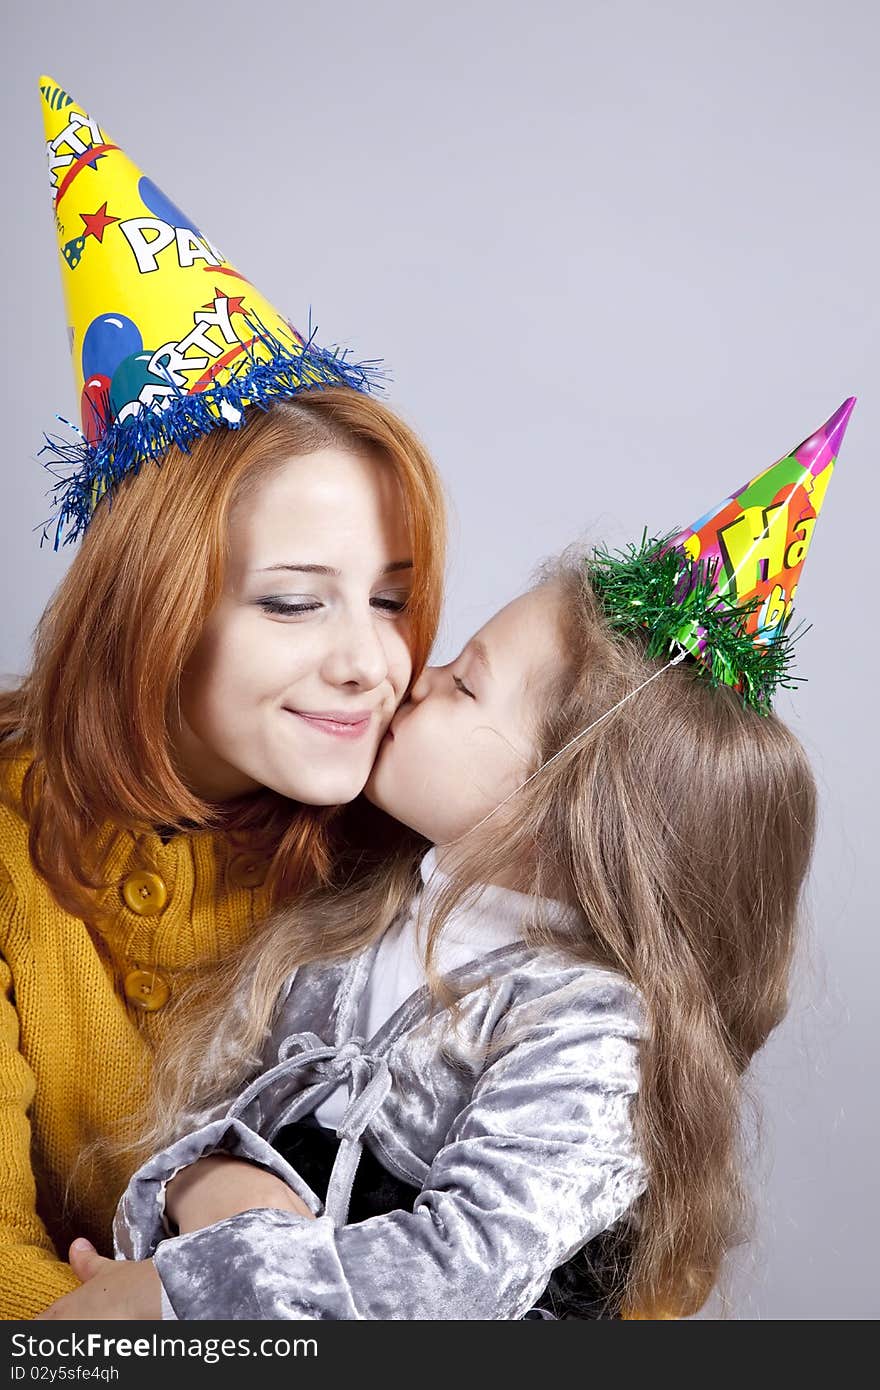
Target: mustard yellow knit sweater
74,1046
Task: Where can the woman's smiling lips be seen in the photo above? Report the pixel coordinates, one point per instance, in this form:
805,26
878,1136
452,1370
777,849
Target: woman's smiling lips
340,723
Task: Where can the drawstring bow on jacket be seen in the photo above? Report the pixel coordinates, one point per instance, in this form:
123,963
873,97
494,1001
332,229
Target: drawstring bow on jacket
369,1081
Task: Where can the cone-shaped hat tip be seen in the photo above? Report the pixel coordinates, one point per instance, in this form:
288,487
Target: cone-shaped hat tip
836,426
834,430
54,93
55,99
823,447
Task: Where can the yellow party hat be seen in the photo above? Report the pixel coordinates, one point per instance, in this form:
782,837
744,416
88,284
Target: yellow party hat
168,339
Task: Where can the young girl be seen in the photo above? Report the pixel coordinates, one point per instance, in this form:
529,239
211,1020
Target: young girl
619,848
197,705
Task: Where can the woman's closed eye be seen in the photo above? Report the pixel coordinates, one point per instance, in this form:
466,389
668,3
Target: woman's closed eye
392,604
288,607
460,685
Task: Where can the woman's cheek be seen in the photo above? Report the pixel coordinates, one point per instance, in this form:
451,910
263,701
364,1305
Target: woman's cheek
383,724
267,659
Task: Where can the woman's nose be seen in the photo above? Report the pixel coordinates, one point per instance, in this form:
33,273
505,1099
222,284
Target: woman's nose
357,655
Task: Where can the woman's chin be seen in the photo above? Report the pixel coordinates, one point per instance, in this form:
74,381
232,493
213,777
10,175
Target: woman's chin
325,791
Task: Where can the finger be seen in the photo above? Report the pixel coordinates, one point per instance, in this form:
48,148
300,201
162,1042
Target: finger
85,1260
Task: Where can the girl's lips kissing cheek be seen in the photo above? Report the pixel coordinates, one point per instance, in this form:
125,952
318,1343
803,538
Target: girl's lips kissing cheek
338,723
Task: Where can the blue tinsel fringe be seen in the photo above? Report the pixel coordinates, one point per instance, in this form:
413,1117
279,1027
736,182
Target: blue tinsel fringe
147,436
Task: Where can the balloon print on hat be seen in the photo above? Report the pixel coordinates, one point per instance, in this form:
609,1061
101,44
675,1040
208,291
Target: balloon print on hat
108,339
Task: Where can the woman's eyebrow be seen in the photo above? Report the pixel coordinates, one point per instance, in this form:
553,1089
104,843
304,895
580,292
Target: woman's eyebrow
326,569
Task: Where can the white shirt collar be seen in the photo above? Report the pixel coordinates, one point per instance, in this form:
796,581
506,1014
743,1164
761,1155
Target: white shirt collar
496,911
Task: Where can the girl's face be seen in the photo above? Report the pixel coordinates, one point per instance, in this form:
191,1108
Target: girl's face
466,736
301,665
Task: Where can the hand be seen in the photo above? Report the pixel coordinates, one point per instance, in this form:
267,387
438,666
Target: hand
219,1186
111,1290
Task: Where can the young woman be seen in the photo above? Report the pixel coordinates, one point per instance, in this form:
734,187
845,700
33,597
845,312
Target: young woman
620,840
216,670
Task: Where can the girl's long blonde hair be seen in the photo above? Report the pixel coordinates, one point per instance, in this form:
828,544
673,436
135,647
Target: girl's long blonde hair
97,707
682,828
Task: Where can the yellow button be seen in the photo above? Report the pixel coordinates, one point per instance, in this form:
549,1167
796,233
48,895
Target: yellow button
147,989
247,871
144,893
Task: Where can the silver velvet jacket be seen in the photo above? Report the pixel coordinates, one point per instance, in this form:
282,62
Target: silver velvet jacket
521,1157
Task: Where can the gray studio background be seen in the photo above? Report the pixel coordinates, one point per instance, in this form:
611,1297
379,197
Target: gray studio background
620,257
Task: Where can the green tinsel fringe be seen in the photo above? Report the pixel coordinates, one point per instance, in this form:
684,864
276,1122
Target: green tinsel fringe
676,600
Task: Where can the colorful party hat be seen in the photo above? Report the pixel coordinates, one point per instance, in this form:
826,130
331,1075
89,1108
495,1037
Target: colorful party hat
168,339
723,589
